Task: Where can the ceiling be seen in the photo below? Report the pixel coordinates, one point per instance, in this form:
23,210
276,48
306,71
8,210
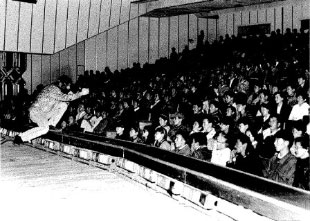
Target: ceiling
200,8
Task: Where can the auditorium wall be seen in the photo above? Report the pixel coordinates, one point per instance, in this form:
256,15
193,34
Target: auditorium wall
71,36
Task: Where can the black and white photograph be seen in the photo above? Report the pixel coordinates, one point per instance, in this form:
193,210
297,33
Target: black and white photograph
155,110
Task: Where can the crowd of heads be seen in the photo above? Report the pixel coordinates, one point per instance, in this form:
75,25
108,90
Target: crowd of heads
239,102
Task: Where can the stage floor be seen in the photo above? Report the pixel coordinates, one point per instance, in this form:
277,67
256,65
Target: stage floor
37,185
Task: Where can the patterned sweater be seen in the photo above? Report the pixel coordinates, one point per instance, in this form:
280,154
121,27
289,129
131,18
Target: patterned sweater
49,97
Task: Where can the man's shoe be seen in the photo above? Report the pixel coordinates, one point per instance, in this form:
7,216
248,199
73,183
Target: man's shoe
18,140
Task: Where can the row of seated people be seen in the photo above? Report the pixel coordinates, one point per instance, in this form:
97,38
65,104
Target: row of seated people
203,101
210,128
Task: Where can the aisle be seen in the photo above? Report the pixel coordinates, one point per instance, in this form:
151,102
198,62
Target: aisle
37,185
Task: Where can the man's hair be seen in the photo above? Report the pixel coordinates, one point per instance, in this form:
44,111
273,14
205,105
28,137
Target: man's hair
199,138
65,79
285,135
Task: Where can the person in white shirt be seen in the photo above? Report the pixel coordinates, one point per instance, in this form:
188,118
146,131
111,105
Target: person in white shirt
300,109
221,153
91,124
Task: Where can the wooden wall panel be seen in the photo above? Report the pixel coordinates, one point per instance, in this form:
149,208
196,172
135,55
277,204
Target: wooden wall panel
230,24
278,18
64,62
245,18
72,63
287,17
297,13
101,56
72,22
115,12
122,46
83,20
222,25
49,27
36,70
211,30
112,49
94,17
183,31
37,27
253,17
80,58
270,18
11,28
90,54
80,53
237,16
125,10
24,27
2,23
306,10
173,34
143,40
133,51
262,16
55,67
192,31
163,37
105,15
134,10
46,69
61,25
153,41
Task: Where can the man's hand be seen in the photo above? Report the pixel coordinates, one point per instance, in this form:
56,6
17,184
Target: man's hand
84,91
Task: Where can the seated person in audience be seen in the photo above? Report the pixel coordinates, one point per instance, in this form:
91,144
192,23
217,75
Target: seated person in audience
163,122
242,111
231,113
266,148
177,126
300,109
215,112
302,85
198,147
63,125
229,98
227,127
263,121
160,138
89,112
302,173
147,135
207,127
181,143
221,153
196,126
134,134
281,108
92,123
243,125
281,167
243,157
253,99
72,125
80,114
264,98
291,95
103,125
120,131
298,129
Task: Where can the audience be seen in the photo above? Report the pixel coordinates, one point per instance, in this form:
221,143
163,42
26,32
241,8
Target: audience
223,98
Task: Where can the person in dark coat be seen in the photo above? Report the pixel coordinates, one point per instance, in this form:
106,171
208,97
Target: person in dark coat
244,157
